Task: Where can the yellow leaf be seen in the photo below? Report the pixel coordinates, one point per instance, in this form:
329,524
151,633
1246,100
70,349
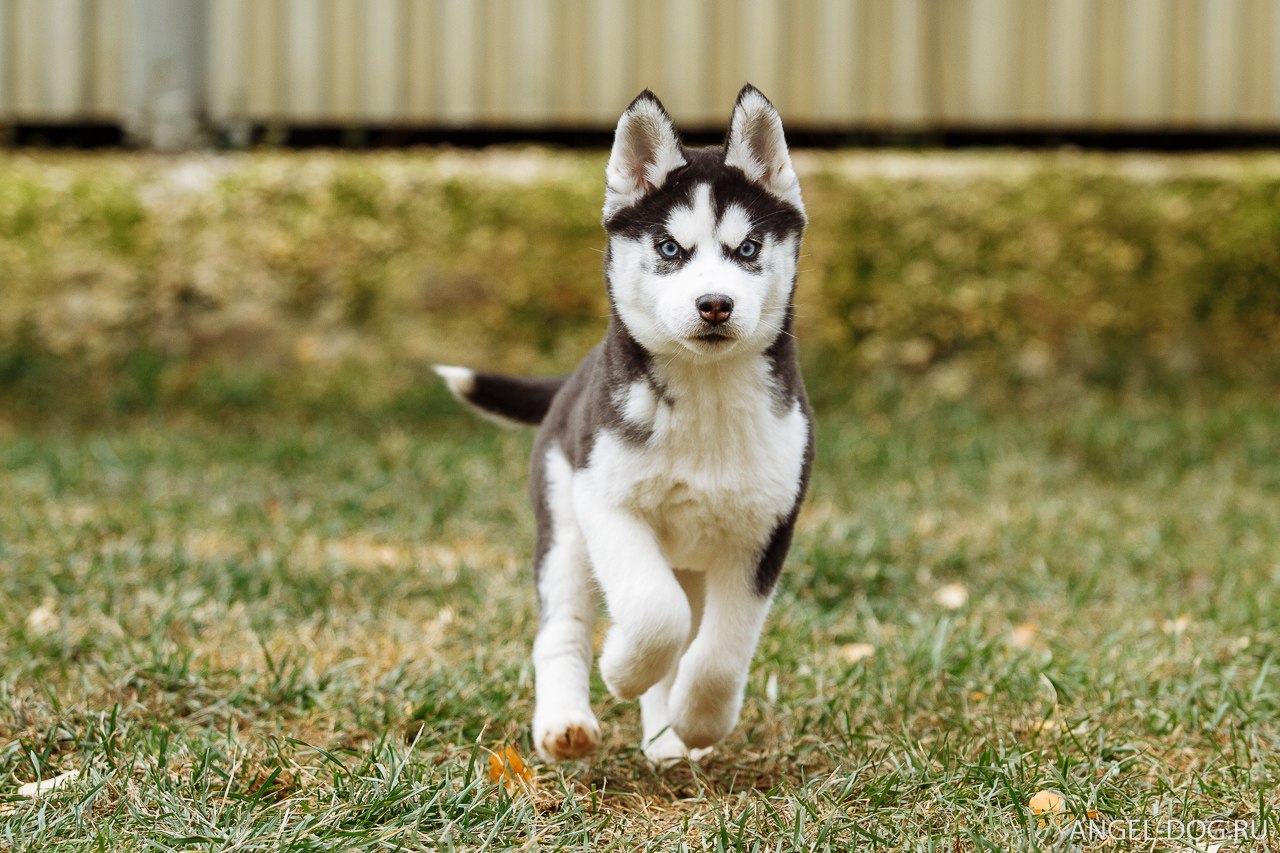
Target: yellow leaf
509,768
35,789
953,596
854,652
1047,802
1024,635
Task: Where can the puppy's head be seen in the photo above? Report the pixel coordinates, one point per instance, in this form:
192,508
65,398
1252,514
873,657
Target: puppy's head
702,243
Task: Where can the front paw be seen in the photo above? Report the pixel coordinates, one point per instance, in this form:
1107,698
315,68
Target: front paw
638,653
703,706
565,734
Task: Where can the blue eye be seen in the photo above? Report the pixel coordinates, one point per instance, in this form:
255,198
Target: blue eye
748,250
669,249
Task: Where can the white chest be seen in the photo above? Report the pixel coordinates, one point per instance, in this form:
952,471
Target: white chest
718,471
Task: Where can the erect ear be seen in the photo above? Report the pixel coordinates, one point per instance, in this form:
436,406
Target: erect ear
645,151
757,146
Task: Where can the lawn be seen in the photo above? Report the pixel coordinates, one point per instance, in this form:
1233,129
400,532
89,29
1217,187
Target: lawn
305,633
264,587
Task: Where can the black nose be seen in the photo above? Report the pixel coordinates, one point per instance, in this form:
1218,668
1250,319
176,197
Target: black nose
715,308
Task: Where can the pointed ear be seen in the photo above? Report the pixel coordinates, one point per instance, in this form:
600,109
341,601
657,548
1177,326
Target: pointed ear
645,150
757,146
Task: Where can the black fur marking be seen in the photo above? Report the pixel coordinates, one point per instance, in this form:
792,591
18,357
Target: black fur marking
583,409
784,368
774,555
775,550
768,214
524,400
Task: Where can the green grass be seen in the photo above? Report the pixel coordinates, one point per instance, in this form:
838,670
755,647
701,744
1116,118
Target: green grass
292,631
265,588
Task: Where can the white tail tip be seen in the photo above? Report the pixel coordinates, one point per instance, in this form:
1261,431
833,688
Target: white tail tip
461,380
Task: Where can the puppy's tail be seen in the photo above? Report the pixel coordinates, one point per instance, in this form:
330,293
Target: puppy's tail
509,400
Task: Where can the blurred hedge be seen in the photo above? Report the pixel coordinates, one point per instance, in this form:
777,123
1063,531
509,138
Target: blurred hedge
143,279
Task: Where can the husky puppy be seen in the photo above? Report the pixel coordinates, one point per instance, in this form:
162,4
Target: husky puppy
669,467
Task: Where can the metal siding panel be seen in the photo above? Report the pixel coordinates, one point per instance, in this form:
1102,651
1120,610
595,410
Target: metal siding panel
304,60
761,31
686,69
1033,57
1255,110
992,77
610,58
799,98
1185,75
906,85
726,74
344,26
572,50
837,77
65,49
380,55
1147,76
6,54
28,61
264,81
949,61
1108,53
457,42
1275,64
1219,89
227,63
646,31
828,63
496,60
1069,71
105,70
532,82
877,60
420,95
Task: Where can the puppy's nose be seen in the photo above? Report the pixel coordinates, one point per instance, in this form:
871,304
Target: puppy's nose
715,308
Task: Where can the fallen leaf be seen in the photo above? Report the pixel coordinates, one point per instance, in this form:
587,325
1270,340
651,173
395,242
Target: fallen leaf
43,621
1048,725
509,768
953,596
1024,636
1047,806
854,652
44,786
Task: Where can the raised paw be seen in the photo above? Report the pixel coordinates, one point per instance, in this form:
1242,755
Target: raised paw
639,653
564,736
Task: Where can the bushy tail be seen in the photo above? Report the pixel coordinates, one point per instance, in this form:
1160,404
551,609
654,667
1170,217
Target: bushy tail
507,399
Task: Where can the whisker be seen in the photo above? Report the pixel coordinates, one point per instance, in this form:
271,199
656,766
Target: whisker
778,329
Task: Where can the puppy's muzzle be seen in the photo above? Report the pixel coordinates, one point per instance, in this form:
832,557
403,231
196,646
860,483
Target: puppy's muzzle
715,308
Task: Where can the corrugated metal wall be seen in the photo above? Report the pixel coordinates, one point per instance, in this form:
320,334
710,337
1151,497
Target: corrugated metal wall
61,60
830,64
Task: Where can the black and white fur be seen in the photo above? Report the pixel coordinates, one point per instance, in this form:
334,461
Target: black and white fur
669,467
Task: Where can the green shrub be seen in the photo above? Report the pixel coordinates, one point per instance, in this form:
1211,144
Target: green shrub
129,277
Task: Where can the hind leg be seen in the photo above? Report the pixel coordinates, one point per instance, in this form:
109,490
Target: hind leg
659,740
563,724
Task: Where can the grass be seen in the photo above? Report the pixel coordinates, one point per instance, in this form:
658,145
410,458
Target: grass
293,631
264,587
